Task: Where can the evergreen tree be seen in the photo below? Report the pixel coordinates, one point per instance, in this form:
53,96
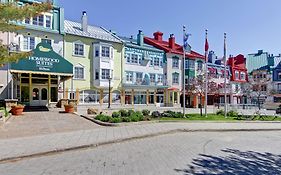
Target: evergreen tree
11,12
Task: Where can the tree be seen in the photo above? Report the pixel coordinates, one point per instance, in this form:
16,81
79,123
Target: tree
10,13
258,86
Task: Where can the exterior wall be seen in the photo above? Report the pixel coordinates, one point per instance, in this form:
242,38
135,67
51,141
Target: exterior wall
256,60
169,70
84,61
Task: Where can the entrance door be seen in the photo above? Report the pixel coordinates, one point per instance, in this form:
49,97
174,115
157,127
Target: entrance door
39,96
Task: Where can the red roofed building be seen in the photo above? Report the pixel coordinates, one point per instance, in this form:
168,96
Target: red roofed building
173,68
239,76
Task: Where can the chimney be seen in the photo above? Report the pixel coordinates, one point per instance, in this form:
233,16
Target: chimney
172,41
140,38
158,36
84,24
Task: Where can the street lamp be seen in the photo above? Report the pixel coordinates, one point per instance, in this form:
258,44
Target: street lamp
109,95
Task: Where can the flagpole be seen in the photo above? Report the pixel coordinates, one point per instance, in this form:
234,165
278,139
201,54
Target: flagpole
225,96
183,74
206,76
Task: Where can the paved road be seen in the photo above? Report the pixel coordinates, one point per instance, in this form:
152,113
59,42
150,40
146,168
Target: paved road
178,153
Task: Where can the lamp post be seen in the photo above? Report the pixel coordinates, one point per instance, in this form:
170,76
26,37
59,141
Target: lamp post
109,94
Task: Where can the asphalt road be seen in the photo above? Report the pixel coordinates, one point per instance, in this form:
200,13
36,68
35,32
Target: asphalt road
180,153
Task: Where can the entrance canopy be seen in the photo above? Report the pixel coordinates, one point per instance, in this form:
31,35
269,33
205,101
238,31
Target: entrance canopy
43,60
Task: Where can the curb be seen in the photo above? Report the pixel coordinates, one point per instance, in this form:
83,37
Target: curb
206,121
88,146
100,122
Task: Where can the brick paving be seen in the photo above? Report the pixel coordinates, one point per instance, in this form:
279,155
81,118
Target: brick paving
189,153
25,146
38,123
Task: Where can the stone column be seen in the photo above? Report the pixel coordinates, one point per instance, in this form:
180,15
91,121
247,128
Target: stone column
65,93
123,97
77,95
154,96
101,96
147,97
132,96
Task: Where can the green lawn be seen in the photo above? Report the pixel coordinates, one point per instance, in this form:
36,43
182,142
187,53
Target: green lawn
215,117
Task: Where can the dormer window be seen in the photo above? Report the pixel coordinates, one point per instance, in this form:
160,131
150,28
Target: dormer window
237,75
242,76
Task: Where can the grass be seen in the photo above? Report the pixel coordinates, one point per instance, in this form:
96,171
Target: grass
215,117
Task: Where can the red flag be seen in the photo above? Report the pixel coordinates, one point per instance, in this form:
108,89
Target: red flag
206,45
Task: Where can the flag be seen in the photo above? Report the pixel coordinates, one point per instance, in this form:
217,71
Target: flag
206,45
186,46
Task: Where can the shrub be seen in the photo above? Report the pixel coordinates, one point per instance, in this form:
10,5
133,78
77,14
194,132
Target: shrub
125,119
130,112
140,115
103,118
116,114
220,112
134,118
123,113
145,112
116,120
232,113
178,115
146,118
155,114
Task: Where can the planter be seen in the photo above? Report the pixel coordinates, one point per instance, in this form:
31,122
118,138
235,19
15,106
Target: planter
17,110
69,108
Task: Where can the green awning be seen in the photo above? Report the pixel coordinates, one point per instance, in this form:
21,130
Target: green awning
44,60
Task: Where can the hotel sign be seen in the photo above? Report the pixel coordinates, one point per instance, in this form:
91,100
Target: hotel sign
44,59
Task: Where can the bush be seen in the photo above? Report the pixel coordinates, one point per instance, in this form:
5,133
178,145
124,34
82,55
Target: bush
125,119
172,114
134,118
178,115
145,112
220,112
232,113
140,115
103,118
116,120
146,118
123,113
130,112
156,114
116,114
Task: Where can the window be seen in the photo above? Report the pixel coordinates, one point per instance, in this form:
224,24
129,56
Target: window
134,58
46,41
97,51
151,62
160,78
97,75
156,61
39,20
175,62
279,76
236,88
105,74
242,76
28,43
128,58
105,51
263,88
175,77
129,76
236,75
191,64
48,21
27,21
79,49
139,77
152,78
79,72
199,65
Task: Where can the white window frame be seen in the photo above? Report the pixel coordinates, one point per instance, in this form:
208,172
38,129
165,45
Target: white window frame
26,40
139,79
173,78
51,21
79,66
105,73
173,62
42,39
160,78
236,73
242,75
104,55
129,77
73,49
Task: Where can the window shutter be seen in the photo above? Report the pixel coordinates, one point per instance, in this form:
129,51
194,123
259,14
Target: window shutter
111,52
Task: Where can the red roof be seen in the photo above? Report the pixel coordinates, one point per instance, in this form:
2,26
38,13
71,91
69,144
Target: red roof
164,45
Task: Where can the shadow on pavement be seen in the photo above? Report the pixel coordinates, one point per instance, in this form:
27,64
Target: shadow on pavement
236,162
35,109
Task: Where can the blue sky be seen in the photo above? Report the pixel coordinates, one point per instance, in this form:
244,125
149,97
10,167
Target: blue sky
250,24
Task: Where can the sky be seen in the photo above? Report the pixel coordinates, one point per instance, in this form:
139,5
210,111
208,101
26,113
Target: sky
251,25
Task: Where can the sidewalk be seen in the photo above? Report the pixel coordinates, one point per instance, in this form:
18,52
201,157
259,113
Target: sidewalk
16,148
